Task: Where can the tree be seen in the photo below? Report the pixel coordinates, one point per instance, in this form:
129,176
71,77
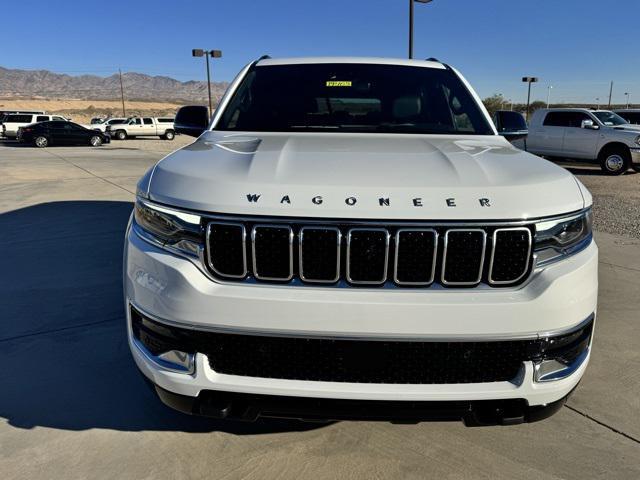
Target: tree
494,103
536,105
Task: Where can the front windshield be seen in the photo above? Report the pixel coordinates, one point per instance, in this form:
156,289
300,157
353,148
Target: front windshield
610,119
353,98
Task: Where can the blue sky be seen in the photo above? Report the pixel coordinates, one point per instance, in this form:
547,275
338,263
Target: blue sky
577,46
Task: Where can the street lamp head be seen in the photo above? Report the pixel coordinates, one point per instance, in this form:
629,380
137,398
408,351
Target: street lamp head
215,53
423,1
197,52
530,79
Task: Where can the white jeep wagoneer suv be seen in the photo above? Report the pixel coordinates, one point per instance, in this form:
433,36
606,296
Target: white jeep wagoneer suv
349,238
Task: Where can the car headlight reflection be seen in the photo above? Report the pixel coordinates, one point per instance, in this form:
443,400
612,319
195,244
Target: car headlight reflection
558,238
168,228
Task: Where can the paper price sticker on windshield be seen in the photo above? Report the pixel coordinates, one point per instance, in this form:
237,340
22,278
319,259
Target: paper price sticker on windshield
338,83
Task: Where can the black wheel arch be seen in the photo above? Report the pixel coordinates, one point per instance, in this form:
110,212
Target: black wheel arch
614,146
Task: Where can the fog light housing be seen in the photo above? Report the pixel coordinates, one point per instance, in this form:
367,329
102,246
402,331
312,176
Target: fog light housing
562,355
162,344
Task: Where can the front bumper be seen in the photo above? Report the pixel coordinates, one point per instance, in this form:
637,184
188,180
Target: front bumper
556,299
635,156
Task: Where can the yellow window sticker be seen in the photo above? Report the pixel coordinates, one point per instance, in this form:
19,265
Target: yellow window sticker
338,83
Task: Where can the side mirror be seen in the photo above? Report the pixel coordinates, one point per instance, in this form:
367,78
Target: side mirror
511,125
589,125
192,120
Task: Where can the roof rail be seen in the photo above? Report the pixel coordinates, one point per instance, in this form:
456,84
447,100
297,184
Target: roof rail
264,57
432,59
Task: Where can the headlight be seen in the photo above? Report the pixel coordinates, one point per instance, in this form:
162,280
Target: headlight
638,140
561,237
168,228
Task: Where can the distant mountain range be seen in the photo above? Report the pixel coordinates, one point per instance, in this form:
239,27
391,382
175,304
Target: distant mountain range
137,86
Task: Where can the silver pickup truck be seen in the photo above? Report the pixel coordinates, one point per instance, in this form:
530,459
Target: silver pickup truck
144,127
582,134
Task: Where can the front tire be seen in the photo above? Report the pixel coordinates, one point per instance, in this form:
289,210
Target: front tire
41,142
121,135
614,161
95,141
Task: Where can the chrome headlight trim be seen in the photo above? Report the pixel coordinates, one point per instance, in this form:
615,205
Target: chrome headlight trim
561,237
170,229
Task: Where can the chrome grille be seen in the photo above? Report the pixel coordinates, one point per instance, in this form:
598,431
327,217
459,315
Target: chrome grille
367,255
463,258
509,255
227,253
344,254
319,254
415,259
272,247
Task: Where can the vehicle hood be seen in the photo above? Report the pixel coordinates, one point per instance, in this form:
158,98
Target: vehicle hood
630,127
343,175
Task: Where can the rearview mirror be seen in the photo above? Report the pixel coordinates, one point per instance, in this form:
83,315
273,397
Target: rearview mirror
511,125
192,120
589,125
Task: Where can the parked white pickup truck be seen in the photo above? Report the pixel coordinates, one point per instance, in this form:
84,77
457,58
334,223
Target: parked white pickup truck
582,134
101,126
144,127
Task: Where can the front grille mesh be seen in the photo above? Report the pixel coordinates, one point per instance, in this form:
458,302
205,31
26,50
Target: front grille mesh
367,255
463,257
358,361
351,255
366,361
320,254
272,252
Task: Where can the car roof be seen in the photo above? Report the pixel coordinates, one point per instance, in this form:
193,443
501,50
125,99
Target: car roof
568,109
364,60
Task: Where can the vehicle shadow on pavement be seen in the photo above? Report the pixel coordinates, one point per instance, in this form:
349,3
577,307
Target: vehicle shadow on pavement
591,171
63,345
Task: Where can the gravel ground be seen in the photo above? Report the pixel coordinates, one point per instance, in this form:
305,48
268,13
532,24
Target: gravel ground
616,200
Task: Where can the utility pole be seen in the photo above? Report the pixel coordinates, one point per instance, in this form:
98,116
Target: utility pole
529,80
627,95
197,52
411,24
549,94
610,93
122,93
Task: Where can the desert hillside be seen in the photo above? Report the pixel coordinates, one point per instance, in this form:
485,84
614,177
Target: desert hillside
137,86
82,111
84,96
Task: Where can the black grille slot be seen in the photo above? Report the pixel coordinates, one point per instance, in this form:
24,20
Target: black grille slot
463,257
226,249
510,256
319,254
272,252
415,256
367,255
362,361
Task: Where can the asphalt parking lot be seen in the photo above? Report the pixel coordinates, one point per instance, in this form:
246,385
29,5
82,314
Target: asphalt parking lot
73,405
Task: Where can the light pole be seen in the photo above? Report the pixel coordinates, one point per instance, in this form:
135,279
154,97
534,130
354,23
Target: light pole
627,95
549,94
597,103
197,52
411,24
529,80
